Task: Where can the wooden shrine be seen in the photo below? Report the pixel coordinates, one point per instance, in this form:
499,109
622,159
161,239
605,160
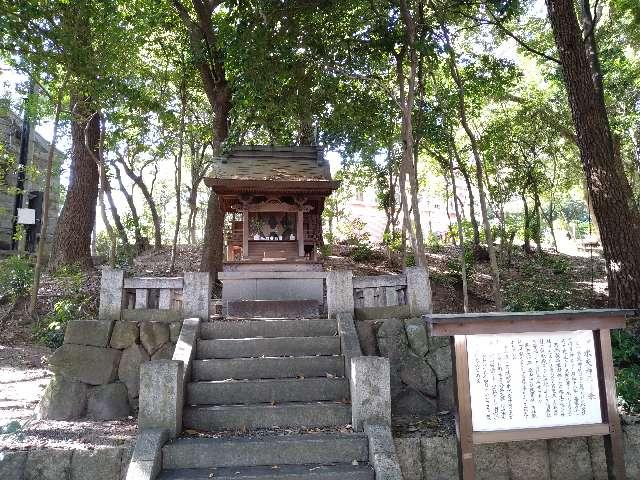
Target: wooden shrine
272,197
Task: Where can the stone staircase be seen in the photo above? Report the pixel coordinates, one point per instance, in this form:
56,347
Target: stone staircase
252,375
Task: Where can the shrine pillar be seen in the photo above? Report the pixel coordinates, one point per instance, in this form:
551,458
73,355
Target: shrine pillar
245,233
300,233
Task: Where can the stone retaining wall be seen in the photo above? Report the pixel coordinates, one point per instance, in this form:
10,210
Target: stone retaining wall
421,369
436,458
97,369
54,464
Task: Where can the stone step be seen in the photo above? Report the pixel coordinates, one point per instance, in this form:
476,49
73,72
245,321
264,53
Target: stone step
279,472
268,367
269,328
221,417
272,308
266,391
268,347
267,450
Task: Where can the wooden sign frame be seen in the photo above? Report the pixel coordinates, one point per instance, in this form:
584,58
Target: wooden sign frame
601,322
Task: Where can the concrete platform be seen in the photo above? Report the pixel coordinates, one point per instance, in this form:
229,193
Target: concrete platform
268,347
298,414
279,472
305,308
267,391
269,450
268,367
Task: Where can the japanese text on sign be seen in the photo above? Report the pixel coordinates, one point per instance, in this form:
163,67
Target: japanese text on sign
533,380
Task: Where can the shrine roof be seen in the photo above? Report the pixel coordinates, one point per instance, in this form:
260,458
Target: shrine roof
280,163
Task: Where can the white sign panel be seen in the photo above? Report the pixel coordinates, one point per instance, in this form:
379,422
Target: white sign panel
533,380
27,216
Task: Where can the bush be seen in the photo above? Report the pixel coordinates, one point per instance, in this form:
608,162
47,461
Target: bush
325,250
362,252
16,276
628,386
124,253
626,358
433,243
454,269
50,330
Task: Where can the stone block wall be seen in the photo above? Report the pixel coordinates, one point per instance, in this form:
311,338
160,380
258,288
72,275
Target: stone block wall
421,368
56,464
582,458
97,369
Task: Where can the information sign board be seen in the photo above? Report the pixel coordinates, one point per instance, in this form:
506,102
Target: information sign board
26,216
533,380
534,376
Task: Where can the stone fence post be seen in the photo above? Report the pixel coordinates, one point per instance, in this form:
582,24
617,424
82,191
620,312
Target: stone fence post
418,291
196,295
370,383
339,292
111,296
161,395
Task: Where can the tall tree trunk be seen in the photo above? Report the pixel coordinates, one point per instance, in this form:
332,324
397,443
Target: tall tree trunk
135,218
103,214
407,91
527,224
210,65
617,214
462,111
72,241
178,174
537,231
44,225
462,166
155,218
463,263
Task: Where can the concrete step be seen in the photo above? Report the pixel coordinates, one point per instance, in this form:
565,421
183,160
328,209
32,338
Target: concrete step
221,417
279,472
269,328
272,308
268,367
268,347
268,450
266,391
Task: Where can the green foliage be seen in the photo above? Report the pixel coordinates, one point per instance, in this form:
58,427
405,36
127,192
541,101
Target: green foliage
467,231
543,284
628,387
124,253
16,276
433,243
362,252
626,358
454,268
325,250
50,329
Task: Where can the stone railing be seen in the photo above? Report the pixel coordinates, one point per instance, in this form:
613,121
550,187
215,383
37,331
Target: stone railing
385,296
154,298
380,291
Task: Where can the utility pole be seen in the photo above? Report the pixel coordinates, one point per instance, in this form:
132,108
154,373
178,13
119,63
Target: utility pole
22,164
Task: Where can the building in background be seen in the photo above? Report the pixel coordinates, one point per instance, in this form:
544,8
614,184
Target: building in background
11,133
436,213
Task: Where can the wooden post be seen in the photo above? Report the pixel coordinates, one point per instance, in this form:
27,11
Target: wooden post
464,424
245,234
300,233
613,444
